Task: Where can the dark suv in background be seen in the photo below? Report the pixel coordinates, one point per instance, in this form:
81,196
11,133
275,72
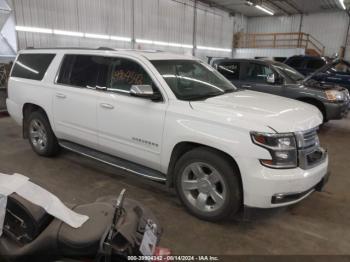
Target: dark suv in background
336,72
280,79
306,64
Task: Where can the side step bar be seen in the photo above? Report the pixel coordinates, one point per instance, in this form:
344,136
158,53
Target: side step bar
114,161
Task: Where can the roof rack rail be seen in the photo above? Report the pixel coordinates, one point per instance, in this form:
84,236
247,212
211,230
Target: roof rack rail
105,48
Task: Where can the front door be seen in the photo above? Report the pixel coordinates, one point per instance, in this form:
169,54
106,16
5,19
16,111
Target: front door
130,127
255,78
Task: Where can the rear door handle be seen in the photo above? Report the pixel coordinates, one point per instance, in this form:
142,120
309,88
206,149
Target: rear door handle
246,86
59,95
106,106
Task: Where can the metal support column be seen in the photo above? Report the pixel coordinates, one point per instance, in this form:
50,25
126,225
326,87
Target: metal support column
194,38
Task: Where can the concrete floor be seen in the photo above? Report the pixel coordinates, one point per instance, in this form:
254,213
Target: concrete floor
318,225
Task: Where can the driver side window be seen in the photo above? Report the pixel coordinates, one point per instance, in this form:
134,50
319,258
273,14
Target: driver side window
125,73
258,73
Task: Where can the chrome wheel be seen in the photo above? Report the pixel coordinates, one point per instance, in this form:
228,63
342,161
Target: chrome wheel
38,134
203,187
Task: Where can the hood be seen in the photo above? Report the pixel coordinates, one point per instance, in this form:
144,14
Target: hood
322,85
326,67
259,111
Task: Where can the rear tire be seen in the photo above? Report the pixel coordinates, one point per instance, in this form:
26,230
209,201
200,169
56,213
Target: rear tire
208,184
41,137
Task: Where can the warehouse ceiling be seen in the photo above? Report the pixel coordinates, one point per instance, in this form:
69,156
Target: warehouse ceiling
278,7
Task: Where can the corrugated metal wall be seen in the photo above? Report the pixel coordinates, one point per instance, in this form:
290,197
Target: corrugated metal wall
157,20
329,28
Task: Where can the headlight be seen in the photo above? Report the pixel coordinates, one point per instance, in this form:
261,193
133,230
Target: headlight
334,95
282,147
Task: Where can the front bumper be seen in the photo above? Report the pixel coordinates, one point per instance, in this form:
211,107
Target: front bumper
261,184
336,110
289,197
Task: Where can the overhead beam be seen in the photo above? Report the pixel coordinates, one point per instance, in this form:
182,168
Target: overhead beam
293,5
278,7
222,7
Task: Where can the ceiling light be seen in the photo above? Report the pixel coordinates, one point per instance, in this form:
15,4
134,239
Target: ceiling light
160,43
249,3
143,41
264,9
96,36
342,4
33,29
172,44
214,49
120,38
69,33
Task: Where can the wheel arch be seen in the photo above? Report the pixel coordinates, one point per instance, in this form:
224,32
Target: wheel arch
183,147
27,109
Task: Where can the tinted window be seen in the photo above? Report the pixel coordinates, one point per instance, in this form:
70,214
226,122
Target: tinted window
125,73
230,70
288,72
83,71
258,72
295,62
32,66
315,64
192,80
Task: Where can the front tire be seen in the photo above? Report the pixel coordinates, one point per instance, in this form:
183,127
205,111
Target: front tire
208,184
41,137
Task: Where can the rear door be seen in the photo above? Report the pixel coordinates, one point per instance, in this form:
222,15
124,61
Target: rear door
255,78
75,98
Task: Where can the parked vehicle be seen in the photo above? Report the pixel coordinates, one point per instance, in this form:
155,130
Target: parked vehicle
172,119
306,65
4,74
336,72
279,79
114,231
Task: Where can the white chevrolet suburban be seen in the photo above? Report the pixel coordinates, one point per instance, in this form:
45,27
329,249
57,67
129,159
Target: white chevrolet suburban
172,119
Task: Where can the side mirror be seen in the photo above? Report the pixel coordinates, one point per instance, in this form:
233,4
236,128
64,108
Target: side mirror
271,78
144,91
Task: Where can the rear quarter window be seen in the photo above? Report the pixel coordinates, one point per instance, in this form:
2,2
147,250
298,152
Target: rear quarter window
32,66
295,62
315,64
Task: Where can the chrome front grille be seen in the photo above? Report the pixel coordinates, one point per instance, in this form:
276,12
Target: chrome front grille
310,154
307,139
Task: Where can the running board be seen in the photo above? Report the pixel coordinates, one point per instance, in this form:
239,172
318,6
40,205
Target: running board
114,161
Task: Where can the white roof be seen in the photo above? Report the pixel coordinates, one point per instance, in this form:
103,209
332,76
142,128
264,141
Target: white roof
148,54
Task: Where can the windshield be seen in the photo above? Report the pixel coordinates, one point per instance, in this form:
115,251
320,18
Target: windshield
193,80
288,71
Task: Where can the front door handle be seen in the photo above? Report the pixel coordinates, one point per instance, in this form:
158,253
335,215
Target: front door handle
246,86
59,95
106,106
